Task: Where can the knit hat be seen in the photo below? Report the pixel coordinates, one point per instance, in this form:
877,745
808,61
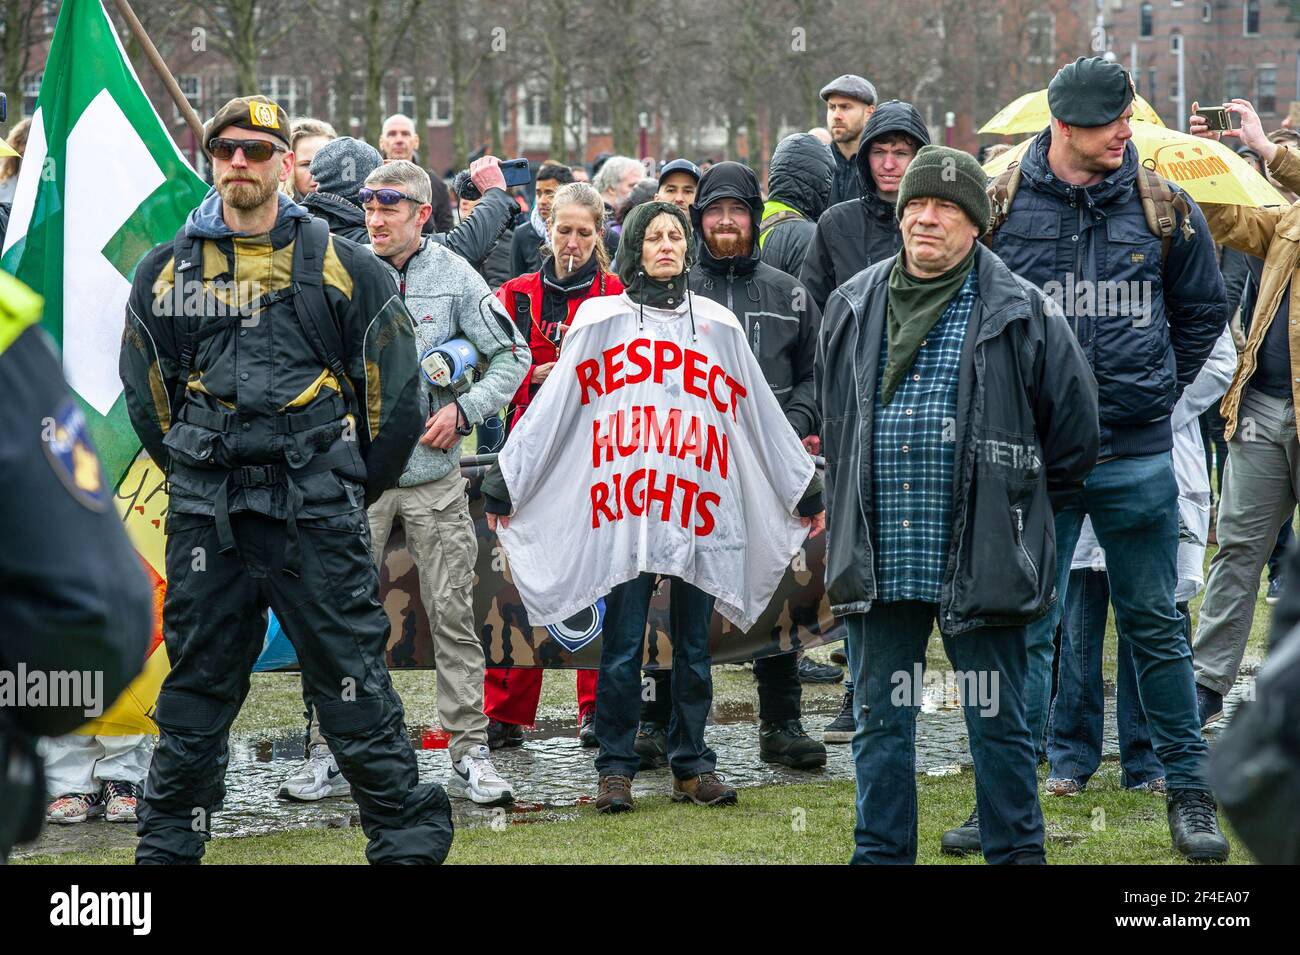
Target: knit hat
1091,91
256,113
944,173
341,166
628,260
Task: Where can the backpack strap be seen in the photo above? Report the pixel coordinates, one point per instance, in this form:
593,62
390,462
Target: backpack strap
311,307
1001,192
774,220
523,314
187,256
1164,210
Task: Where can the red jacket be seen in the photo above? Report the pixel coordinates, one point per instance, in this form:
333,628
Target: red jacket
527,289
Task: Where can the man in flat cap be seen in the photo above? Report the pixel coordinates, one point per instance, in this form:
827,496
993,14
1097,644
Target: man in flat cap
850,101
271,370
1147,309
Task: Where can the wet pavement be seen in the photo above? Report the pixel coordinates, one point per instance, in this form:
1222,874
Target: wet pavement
552,773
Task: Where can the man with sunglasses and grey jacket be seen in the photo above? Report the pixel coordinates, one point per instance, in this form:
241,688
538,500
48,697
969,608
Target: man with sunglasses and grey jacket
448,301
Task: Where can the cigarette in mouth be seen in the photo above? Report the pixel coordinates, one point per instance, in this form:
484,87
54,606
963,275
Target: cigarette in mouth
570,263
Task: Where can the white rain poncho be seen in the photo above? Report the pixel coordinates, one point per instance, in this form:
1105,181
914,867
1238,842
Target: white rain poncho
647,451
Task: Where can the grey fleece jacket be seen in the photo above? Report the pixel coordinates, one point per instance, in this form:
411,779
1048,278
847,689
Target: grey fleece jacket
447,299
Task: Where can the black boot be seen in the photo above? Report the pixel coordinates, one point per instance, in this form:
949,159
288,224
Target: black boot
786,743
1194,826
841,729
504,735
651,745
965,839
587,730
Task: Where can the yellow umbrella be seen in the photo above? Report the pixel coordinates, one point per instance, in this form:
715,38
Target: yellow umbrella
6,150
1208,170
1029,114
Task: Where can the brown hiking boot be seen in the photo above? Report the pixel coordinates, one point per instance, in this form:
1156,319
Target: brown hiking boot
614,794
706,789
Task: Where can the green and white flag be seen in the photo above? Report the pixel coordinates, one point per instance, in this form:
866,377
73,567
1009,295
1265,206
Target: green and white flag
102,182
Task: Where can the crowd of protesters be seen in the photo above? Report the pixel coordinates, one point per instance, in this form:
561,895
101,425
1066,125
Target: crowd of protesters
994,465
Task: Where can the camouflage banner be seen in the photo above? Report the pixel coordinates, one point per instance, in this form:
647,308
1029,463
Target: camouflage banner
798,616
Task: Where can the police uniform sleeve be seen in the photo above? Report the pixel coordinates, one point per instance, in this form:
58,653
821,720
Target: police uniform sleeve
381,361
76,596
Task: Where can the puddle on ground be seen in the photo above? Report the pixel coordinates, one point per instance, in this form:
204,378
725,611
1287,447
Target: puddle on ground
553,775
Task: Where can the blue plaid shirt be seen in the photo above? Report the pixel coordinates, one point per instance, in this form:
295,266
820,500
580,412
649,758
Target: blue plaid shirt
912,460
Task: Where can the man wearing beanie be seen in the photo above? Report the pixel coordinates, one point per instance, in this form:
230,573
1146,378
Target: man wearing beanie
341,167
1076,229
940,484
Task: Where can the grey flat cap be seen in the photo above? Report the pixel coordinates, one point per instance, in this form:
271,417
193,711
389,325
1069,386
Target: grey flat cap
852,86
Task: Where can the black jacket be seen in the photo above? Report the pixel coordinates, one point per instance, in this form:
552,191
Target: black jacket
473,240
1026,438
525,250
847,185
259,392
4,222
800,177
75,596
779,319
1058,235
852,235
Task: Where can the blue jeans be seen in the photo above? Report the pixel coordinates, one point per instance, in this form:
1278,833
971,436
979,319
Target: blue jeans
1074,736
1133,503
886,651
618,692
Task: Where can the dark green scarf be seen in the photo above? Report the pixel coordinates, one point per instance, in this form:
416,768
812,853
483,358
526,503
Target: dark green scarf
915,307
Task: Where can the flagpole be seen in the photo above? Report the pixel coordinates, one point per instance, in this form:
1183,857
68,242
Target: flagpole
156,61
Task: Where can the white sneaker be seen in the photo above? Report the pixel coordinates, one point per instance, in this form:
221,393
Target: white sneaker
318,778
475,778
74,808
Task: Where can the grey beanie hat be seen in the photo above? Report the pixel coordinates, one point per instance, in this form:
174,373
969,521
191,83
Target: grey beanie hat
944,173
341,166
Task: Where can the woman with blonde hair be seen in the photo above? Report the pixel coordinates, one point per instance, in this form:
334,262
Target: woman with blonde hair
9,165
306,137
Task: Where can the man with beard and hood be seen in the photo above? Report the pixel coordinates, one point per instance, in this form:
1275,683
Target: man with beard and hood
798,187
781,326
341,167
271,370
852,235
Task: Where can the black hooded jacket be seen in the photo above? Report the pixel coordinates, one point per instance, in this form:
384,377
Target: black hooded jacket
777,313
852,235
799,177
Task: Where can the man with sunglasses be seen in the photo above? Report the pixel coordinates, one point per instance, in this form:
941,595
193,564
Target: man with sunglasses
448,300
270,369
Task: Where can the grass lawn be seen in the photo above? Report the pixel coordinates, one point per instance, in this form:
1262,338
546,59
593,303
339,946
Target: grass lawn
811,823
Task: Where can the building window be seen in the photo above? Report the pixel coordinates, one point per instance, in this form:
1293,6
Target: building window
1151,85
1266,89
31,92
1176,42
1250,18
439,103
406,96
192,87
1207,12
537,107
1146,16
1234,85
1040,27
599,120
291,92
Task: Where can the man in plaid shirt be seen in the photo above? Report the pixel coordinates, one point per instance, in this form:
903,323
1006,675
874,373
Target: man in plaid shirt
958,410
